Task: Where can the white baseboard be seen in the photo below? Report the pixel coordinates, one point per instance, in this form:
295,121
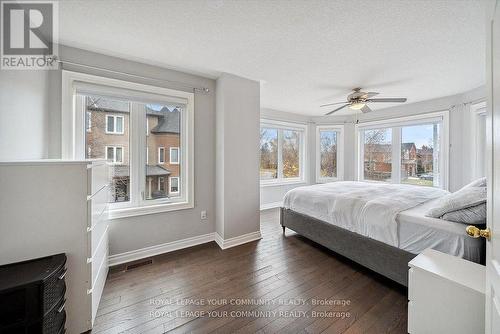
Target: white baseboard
236,241
159,249
142,253
272,205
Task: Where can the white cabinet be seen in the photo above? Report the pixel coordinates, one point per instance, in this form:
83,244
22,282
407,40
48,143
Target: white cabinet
445,294
57,206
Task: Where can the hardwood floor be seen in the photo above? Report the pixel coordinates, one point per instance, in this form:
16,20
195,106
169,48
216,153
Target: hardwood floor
276,285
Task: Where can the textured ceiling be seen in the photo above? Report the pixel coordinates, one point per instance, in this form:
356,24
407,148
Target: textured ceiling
305,53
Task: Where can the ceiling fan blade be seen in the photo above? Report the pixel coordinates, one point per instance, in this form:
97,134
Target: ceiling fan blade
331,104
331,112
365,109
369,94
388,99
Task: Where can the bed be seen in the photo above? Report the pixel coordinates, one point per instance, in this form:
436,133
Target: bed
380,226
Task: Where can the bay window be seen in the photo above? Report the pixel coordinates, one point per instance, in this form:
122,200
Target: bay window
329,153
411,150
128,122
281,152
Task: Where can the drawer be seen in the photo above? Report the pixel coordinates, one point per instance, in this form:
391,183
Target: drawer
56,319
411,284
98,177
100,256
97,232
97,205
410,317
54,289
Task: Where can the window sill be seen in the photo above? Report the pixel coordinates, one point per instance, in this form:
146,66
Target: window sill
282,183
148,210
328,179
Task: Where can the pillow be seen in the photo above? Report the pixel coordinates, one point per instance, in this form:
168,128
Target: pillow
474,215
477,183
467,197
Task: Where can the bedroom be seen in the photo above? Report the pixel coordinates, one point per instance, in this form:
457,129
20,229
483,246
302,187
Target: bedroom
173,163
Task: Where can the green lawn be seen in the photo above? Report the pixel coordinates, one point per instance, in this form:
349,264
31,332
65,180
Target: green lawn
418,182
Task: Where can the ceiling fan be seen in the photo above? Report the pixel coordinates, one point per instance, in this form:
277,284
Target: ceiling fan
358,100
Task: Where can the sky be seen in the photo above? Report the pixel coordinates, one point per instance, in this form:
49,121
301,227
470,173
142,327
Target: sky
418,134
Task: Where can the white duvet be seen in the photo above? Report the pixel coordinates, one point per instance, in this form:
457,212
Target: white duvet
367,208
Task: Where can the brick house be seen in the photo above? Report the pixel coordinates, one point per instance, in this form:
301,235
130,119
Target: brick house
408,160
425,160
107,137
377,163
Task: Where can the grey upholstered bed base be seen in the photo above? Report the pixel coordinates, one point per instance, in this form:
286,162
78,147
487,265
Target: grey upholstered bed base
384,259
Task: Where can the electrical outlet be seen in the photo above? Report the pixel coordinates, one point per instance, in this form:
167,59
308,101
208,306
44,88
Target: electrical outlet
203,214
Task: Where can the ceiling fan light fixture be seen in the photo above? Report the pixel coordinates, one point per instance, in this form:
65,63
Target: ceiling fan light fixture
357,106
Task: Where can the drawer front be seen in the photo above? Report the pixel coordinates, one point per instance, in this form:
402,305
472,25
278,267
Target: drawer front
410,317
54,289
97,205
411,284
98,177
100,255
97,233
56,319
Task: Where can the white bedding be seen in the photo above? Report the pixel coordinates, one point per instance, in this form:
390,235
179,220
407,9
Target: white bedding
417,232
367,208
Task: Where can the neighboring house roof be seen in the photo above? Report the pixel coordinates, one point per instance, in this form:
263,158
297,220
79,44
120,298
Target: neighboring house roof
408,146
98,103
151,170
168,122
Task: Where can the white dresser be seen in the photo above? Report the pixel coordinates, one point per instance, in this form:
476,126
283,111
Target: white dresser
57,206
446,294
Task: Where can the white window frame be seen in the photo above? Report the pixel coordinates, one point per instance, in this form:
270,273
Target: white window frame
161,156
340,152
170,192
115,118
73,136
114,153
281,126
170,156
396,124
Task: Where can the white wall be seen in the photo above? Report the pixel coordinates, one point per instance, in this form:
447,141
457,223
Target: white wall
272,195
237,156
24,114
133,233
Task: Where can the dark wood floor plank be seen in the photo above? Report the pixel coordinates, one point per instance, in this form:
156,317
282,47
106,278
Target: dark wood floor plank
275,269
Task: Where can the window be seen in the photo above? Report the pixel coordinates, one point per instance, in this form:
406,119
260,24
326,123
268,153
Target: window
114,154
329,153
174,155
377,157
161,155
281,152
114,124
420,154
129,121
411,150
174,185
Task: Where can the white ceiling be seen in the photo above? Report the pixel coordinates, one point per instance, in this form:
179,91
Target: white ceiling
305,53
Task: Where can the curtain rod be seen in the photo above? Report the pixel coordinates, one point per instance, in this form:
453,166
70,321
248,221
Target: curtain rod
204,90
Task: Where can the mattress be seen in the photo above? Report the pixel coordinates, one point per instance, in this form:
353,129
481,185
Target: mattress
417,232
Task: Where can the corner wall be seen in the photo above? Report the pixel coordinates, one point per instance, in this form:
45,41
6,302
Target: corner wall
461,141
237,157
